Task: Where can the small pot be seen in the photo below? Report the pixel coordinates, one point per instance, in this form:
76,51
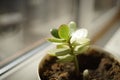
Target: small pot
95,48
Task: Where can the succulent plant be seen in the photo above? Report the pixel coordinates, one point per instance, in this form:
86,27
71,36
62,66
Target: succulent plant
70,42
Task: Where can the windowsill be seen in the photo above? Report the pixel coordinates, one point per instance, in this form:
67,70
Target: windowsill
27,70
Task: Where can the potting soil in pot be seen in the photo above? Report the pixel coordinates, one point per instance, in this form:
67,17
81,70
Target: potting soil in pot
100,66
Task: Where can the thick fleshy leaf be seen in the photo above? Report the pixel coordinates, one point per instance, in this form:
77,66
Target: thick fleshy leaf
81,41
64,32
56,40
72,26
59,52
66,58
54,33
62,46
78,35
82,48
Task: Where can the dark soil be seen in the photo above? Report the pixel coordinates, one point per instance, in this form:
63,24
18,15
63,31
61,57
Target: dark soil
100,66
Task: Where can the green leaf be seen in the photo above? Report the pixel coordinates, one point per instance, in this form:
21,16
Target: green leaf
81,41
72,26
56,40
64,32
59,52
66,58
82,48
62,46
54,33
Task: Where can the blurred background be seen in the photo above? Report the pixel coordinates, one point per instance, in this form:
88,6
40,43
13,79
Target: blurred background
25,24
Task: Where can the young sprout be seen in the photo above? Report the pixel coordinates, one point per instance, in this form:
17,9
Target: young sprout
69,43
86,74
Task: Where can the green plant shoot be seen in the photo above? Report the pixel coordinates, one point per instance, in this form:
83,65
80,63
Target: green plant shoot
69,43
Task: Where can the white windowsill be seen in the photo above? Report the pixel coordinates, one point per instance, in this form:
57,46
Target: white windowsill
26,70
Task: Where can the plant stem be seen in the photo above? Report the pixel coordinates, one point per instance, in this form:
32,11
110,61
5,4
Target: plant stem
76,65
75,59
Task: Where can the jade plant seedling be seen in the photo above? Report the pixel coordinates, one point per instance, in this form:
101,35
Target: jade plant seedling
69,43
